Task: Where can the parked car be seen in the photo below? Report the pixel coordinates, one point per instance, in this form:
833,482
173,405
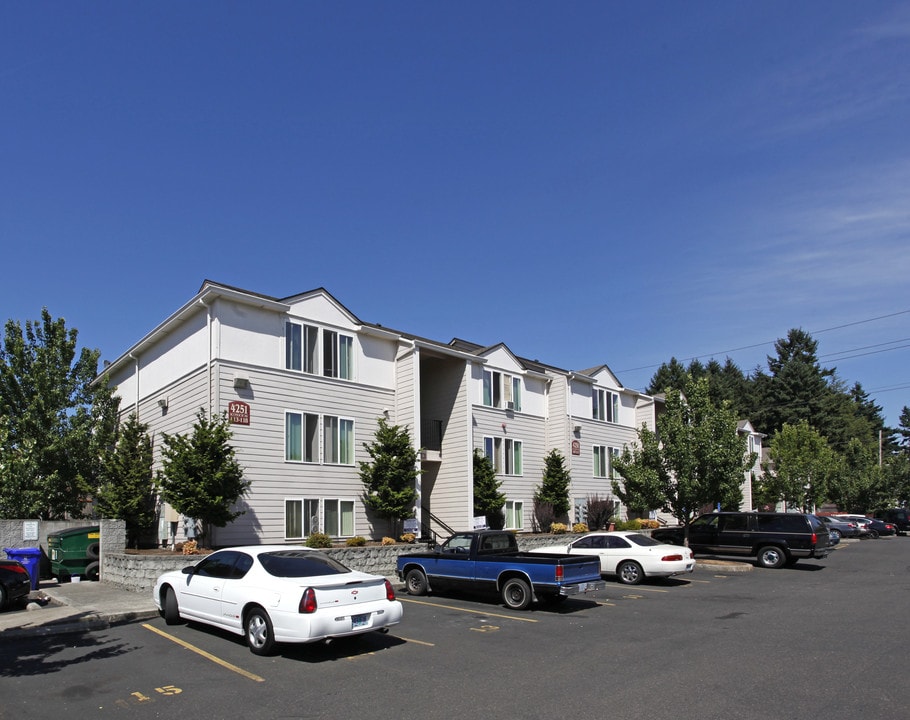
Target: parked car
899,517
489,561
882,528
630,556
841,527
15,583
277,593
774,539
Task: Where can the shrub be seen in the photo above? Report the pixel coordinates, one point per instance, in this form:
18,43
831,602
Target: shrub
408,538
600,511
579,528
190,548
388,541
356,541
558,528
544,515
319,540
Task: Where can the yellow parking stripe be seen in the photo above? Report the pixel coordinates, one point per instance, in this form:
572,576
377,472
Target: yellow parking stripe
207,656
468,610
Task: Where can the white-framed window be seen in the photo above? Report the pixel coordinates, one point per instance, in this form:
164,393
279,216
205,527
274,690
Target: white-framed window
338,440
515,519
301,518
755,445
601,461
501,390
605,405
337,355
301,351
505,454
512,457
301,437
338,517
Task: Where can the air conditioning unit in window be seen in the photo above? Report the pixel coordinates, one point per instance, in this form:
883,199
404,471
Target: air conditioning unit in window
510,405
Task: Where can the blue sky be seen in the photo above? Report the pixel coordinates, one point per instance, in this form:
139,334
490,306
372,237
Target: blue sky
588,182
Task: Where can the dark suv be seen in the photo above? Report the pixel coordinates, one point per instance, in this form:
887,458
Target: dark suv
775,539
899,517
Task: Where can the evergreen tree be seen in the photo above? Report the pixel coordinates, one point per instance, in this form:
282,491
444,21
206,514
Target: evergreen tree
128,490
488,500
554,487
201,477
389,481
903,431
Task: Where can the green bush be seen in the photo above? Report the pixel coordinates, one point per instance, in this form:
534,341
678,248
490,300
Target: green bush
356,541
319,540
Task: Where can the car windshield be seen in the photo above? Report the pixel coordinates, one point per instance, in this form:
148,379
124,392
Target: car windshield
297,563
642,540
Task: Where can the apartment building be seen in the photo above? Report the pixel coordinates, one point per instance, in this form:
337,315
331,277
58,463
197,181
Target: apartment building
303,382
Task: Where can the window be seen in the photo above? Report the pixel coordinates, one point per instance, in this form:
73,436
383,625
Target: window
514,515
301,437
501,391
600,461
300,347
337,355
338,441
339,517
605,405
301,518
492,448
755,444
505,454
512,462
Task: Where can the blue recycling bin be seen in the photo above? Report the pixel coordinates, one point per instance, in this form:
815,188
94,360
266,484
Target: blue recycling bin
30,557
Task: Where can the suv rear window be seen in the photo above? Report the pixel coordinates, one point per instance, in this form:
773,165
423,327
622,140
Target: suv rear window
782,523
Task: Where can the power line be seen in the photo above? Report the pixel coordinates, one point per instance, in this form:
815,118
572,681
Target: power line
771,342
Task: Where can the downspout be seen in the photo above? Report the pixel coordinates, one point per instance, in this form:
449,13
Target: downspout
208,327
135,359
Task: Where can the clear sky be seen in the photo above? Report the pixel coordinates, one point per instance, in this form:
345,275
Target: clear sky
588,182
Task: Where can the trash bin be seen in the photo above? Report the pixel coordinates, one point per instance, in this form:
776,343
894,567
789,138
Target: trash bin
31,558
74,553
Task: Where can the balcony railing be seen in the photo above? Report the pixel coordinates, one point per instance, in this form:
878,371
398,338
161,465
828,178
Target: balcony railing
431,435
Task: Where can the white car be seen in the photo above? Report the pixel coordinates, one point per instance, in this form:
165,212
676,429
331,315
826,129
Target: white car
630,556
277,593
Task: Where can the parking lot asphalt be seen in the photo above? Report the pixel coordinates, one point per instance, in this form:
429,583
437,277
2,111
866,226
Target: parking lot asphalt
59,608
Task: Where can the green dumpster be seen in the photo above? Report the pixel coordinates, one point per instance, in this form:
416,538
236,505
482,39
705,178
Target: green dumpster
74,553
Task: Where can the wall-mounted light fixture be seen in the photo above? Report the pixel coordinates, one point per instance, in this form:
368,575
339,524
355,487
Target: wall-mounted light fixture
385,411
241,382
162,403
578,428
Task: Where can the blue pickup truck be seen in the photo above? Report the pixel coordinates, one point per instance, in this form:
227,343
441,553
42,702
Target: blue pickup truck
490,561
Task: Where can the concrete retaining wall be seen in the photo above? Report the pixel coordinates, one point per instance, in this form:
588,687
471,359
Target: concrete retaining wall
139,572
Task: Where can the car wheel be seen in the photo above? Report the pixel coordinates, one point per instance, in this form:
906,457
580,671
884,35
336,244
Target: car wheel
629,572
836,534
516,594
874,534
771,556
171,612
416,582
259,634
91,571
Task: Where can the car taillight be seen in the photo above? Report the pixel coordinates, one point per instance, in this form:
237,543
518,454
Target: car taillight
307,602
17,569
814,539
671,558
559,573
389,591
